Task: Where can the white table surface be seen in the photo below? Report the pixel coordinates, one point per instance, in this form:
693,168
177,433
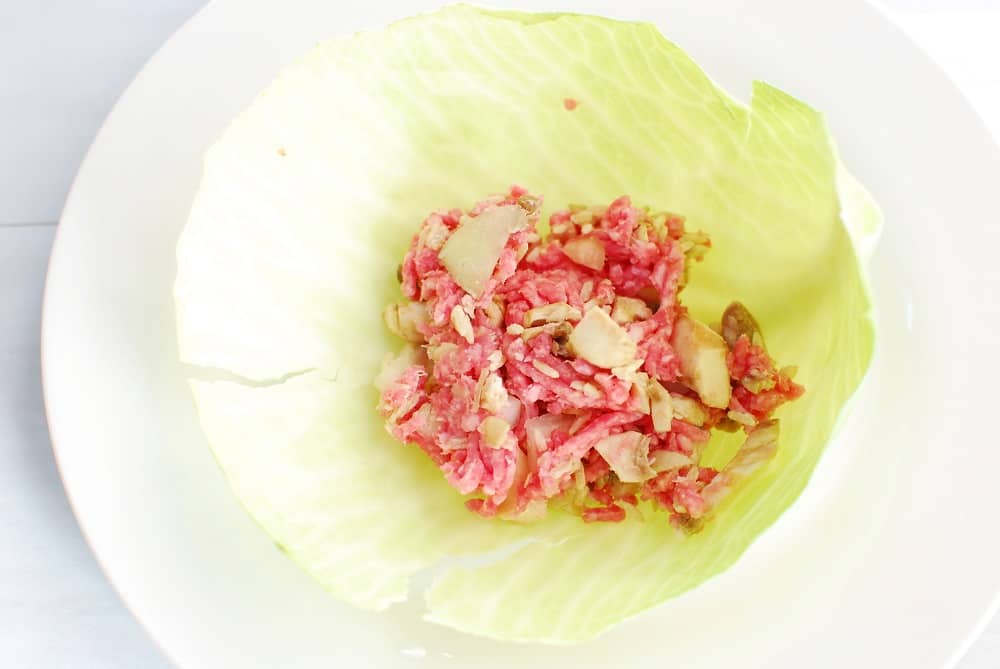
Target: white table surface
62,65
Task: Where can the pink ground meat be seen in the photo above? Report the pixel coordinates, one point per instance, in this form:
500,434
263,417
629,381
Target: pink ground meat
515,411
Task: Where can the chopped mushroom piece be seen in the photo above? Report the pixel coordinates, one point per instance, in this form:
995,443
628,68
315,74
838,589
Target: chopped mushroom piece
627,453
737,321
629,309
406,320
661,407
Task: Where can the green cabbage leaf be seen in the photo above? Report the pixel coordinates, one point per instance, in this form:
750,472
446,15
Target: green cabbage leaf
308,202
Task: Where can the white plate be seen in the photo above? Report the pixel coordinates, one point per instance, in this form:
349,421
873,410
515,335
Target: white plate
889,559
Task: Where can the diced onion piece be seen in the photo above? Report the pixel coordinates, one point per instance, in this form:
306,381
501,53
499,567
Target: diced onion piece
689,410
662,461
394,364
602,342
494,431
471,253
702,354
661,408
585,251
463,326
537,432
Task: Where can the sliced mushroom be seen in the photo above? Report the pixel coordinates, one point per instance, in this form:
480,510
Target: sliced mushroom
737,321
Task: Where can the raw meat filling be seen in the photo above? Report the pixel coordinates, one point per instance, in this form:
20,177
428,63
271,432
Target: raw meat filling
564,370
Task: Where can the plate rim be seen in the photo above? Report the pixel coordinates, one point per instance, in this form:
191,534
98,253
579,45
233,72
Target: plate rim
58,245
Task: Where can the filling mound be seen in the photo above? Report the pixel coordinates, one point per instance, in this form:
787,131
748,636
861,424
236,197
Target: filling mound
564,370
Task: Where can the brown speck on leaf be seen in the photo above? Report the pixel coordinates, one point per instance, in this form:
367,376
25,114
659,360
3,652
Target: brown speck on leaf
399,273
281,151
570,104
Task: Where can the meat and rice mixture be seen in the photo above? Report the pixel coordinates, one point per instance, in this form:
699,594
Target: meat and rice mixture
564,370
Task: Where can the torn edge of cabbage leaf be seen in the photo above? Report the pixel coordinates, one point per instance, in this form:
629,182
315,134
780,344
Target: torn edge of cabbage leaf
413,582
